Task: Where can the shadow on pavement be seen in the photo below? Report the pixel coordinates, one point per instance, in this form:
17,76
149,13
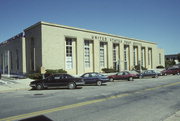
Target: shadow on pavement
37,118
56,89
94,85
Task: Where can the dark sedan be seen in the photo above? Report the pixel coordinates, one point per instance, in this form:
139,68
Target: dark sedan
124,75
57,80
94,78
149,73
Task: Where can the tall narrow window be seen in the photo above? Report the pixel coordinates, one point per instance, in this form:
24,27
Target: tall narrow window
102,56
87,53
114,56
159,58
134,55
125,57
1,62
149,57
142,57
69,54
32,55
17,60
11,60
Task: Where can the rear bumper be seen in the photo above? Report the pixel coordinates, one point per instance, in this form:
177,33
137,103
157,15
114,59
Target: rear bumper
32,85
80,83
104,81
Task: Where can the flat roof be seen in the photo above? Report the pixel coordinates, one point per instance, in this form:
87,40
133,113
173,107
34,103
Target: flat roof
85,30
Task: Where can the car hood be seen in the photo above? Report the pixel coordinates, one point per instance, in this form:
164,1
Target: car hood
36,81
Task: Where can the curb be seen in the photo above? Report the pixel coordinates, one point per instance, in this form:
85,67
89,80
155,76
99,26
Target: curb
11,90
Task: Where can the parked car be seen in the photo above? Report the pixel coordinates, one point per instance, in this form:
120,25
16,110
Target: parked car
159,72
148,73
124,75
57,80
136,73
94,78
171,71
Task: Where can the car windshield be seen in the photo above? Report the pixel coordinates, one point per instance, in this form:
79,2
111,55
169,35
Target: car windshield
68,76
85,75
49,77
100,75
120,73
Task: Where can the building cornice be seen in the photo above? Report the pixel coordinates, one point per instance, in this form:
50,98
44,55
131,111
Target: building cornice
85,30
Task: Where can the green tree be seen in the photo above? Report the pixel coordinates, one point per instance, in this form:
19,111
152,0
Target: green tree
178,56
137,67
169,63
108,70
160,67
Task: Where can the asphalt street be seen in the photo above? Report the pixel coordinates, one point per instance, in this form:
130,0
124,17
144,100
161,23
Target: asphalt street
152,99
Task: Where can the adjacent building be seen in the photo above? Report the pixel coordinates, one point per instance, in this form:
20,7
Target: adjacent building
52,46
172,57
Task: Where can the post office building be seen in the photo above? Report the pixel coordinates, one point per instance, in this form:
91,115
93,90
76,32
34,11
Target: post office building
53,46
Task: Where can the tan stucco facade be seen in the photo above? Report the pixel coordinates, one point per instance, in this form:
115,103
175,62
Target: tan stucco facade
12,55
77,51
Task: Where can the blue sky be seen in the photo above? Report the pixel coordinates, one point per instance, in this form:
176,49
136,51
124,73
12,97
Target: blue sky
152,20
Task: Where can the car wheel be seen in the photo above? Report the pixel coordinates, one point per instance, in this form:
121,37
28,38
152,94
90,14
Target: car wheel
33,88
111,80
98,83
140,77
165,74
178,73
71,85
130,79
39,87
156,76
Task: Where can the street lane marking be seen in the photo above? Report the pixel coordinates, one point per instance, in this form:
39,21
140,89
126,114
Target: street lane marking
23,116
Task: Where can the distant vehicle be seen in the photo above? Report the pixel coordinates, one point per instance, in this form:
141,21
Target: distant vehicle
94,78
124,75
57,80
148,73
171,71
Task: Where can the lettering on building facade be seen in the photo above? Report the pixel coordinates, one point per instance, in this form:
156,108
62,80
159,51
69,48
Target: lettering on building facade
115,40
101,38
137,44
127,42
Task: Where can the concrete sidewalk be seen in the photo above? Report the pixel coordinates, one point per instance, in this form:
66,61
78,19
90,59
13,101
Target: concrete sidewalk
7,85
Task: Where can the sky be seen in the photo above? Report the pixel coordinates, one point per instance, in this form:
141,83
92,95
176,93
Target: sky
151,20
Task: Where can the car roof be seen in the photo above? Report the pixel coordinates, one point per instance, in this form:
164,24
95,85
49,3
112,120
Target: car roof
122,71
91,73
60,74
